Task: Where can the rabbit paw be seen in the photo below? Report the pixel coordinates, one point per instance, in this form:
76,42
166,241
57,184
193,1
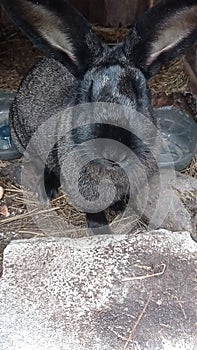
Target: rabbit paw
98,223
51,183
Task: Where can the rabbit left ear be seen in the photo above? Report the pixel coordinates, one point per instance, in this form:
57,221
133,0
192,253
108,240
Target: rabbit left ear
164,32
59,30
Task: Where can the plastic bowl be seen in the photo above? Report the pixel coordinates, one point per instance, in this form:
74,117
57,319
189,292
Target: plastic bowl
179,131
7,149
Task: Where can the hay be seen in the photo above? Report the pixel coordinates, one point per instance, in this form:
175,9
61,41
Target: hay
28,218
111,35
17,55
192,168
172,78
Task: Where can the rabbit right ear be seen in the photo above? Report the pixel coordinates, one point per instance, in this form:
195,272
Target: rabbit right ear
59,30
164,32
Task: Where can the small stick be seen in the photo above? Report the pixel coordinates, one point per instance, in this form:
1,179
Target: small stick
126,279
137,323
27,215
117,334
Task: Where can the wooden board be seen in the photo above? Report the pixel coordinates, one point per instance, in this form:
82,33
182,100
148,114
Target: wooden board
112,13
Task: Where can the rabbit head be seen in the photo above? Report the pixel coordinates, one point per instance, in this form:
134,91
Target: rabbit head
81,69
108,74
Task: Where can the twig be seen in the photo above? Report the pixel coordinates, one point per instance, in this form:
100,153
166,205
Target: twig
117,334
15,190
63,196
181,306
118,221
125,279
32,233
131,335
26,215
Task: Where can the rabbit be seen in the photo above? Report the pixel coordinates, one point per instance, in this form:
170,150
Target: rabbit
79,69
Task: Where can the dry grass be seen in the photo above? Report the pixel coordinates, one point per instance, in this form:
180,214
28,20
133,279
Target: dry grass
17,55
192,168
111,35
172,78
29,218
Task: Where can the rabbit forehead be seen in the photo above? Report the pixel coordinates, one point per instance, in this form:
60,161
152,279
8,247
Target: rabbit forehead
120,83
102,84
106,74
112,75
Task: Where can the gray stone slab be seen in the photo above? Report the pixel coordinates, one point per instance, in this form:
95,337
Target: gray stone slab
100,292
181,215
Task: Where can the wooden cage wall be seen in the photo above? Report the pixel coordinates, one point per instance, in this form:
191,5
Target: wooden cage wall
112,13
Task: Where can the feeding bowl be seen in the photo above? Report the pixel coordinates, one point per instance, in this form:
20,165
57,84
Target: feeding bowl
179,132
7,149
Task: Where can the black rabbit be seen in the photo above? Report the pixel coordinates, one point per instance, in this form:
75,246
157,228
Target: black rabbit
81,69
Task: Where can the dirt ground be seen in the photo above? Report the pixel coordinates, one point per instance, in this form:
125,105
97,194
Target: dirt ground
17,55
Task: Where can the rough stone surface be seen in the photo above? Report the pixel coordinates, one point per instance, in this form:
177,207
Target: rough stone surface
182,213
98,292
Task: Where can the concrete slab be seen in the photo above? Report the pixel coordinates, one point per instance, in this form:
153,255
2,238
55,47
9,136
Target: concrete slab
100,293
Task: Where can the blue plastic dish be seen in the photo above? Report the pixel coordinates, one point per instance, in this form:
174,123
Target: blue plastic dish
179,131
7,149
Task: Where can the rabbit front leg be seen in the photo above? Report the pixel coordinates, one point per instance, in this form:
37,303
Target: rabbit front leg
98,223
47,187
51,177
51,183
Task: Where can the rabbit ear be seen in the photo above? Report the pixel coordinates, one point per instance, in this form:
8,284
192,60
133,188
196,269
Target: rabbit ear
167,30
58,29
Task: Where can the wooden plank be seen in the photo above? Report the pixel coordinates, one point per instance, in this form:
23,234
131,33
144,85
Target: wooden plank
4,20
104,12
82,6
124,12
112,13
97,12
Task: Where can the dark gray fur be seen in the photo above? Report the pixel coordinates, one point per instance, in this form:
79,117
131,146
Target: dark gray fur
84,70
